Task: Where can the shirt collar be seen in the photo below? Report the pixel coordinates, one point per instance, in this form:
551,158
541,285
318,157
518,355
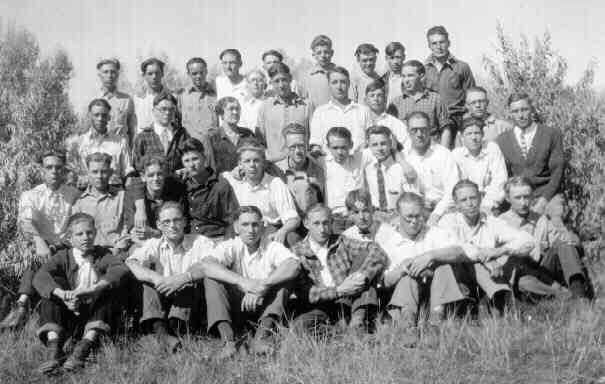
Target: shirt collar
416,97
420,237
207,175
352,105
529,130
318,69
264,183
293,99
482,152
205,90
89,191
106,93
185,245
450,60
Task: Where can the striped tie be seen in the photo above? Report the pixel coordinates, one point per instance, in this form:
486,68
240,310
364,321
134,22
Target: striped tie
382,193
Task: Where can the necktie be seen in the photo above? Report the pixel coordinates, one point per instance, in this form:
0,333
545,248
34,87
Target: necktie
523,144
165,139
382,193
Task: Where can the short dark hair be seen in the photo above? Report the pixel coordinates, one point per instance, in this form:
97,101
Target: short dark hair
378,130
409,197
192,144
98,157
358,195
164,96
317,207
517,181
250,144
278,68
341,132
415,64
341,70
294,129
375,85
516,96
272,52
321,40
462,184
78,217
437,30
248,209
471,121
393,47
114,62
365,49
219,108
152,61
59,153
158,160
195,60
99,103
417,115
231,51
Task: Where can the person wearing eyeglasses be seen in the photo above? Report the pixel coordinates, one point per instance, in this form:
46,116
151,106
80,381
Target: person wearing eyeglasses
477,103
256,84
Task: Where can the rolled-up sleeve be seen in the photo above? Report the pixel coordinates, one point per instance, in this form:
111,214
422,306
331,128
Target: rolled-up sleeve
282,200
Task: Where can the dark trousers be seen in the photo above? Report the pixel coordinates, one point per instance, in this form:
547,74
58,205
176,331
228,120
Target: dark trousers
563,262
26,286
185,305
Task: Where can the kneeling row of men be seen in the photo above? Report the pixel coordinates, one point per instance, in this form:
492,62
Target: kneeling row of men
373,267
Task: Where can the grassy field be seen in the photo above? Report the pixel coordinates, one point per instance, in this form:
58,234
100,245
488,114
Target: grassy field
556,341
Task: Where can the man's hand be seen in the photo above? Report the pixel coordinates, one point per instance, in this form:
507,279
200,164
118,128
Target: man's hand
353,284
540,205
85,293
419,264
254,286
278,236
488,254
169,285
522,251
251,302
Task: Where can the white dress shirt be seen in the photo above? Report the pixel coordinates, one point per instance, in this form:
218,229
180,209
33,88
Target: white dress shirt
341,179
224,87
321,251
165,133
394,181
86,276
355,117
487,170
529,133
233,254
143,109
398,128
271,196
250,111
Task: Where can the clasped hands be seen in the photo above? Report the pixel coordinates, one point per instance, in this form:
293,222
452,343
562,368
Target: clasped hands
254,292
73,298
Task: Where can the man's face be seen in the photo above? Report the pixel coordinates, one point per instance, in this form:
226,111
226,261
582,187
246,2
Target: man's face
108,74
520,113
468,202
232,113
376,100
472,138
197,73
380,145
153,76
319,224
82,235
439,45
395,61
361,215
476,103
339,148
282,84
98,175
367,63
323,55
411,218
99,117
520,197
231,65
252,163
410,78
250,228
256,84
154,177
193,162
297,147
53,171
339,85
269,60
164,112
420,133
171,223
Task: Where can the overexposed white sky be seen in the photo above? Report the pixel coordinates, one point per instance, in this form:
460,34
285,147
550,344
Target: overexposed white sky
127,29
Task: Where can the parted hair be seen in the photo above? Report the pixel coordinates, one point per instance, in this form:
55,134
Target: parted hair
248,209
341,132
272,52
158,160
222,103
171,205
79,217
517,181
151,61
191,144
476,89
231,51
462,184
393,47
321,40
516,96
437,30
378,130
114,62
365,49
375,85
98,157
250,144
164,96
99,103
470,122
294,129
278,68
358,196
417,115
342,70
409,197
415,64
315,208
59,153
195,60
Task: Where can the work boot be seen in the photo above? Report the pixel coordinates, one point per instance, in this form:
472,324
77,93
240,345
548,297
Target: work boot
55,356
16,318
78,357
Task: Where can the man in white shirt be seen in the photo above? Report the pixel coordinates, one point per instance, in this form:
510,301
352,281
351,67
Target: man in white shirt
376,101
340,111
164,267
270,194
153,74
481,162
366,58
256,83
394,54
477,103
247,279
231,82
434,164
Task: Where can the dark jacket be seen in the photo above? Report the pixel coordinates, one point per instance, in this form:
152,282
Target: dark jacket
148,143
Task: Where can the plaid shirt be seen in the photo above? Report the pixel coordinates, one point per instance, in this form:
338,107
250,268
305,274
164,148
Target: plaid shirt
148,143
345,256
429,102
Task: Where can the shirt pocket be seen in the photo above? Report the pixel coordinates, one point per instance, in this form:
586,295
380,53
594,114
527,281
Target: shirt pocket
454,80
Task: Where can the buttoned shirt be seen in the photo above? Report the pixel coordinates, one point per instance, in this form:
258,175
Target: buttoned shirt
398,128
359,83
251,107
528,134
271,196
224,87
395,182
452,81
488,232
321,251
123,119
342,178
314,85
437,174
86,276
394,86
428,102
108,211
44,212
355,117
115,146
385,236
198,111
233,254
307,184
169,260
275,114
487,170
143,109
223,150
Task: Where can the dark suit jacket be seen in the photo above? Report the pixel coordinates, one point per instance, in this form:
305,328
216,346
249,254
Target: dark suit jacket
545,160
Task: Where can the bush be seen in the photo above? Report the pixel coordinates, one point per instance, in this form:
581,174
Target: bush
577,110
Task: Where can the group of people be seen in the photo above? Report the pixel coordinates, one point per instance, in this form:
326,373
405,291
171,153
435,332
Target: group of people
327,199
